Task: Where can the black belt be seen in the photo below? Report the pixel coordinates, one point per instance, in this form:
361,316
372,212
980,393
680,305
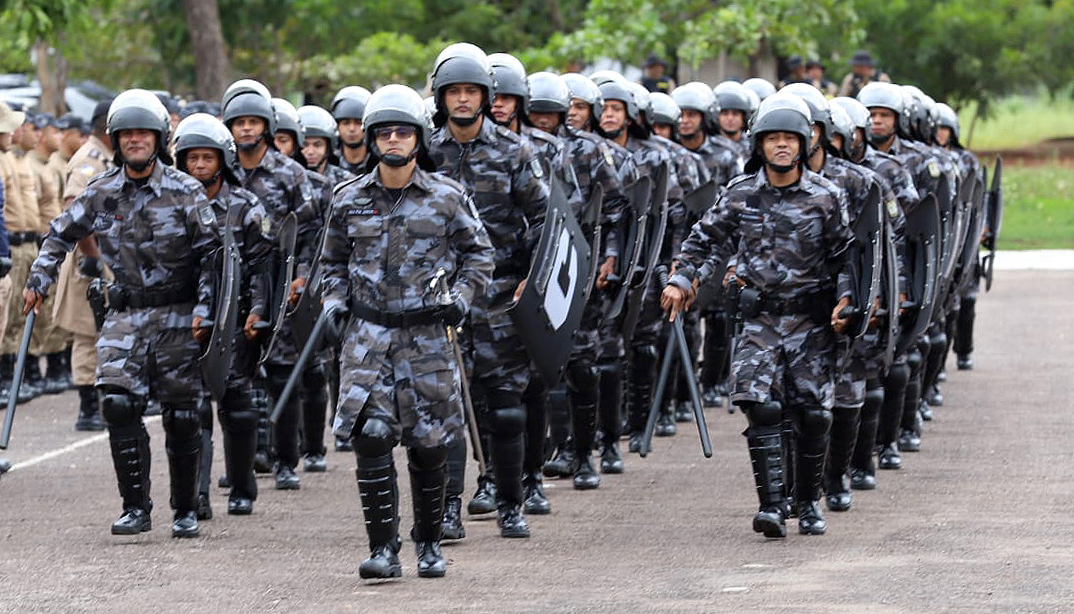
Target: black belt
121,298
397,319
18,238
811,304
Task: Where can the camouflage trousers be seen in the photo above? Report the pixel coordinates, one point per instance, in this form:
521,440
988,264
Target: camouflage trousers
866,363
151,352
495,356
785,358
406,377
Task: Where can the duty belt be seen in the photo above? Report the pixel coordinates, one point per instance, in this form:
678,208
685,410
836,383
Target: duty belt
396,319
18,238
819,304
121,298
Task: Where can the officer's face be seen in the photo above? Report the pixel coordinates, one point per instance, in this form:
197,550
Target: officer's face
28,136
351,131
315,150
5,141
690,123
202,163
663,130
943,136
137,145
503,106
837,141
545,121
396,140
815,140
732,120
463,99
578,114
51,137
246,129
614,116
780,148
883,120
285,143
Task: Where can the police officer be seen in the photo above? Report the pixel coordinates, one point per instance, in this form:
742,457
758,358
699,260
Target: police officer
863,71
788,227
156,231
72,310
655,80
205,149
348,106
735,104
289,137
282,186
321,142
510,190
586,102
388,235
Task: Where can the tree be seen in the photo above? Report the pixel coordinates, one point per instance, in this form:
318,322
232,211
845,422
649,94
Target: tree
211,64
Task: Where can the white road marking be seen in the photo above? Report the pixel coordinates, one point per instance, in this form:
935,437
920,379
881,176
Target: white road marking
81,443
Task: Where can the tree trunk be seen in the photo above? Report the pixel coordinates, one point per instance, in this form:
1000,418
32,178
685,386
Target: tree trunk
763,62
52,75
211,63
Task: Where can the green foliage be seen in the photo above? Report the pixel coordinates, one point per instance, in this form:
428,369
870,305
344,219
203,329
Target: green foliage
1036,208
1019,121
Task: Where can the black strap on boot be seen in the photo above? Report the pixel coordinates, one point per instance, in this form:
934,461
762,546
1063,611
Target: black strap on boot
844,436
314,410
377,489
814,425
182,440
427,484
765,439
238,421
862,467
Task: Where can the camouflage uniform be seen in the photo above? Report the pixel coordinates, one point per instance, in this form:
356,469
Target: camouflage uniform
337,175
380,252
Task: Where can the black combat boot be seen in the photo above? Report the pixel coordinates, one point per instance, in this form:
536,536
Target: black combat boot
484,500
562,464
766,457
453,528
844,435
642,375
89,414
609,400
378,490
184,465
862,466
427,494
536,501
584,421
507,457
7,373
130,456
810,467
55,380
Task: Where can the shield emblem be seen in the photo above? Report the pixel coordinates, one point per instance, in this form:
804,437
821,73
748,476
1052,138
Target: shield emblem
216,360
866,262
654,241
632,236
923,267
550,308
286,237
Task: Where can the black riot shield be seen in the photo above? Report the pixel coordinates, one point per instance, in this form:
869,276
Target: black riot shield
966,271
216,360
589,218
286,236
655,228
308,308
550,308
631,232
994,208
923,268
866,262
702,199
946,209
889,297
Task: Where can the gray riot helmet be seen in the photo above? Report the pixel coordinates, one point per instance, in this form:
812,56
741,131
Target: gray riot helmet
202,130
603,76
780,113
350,102
886,96
921,112
861,119
762,87
735,96
818,105
394,105
249,98
696,96
317,122
663,110
287,120
462,63
946,116
642,98
139,109
548,93
844,126
618,90
509,76
430,106
582,88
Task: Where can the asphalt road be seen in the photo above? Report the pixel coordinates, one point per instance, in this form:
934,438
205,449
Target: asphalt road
978,521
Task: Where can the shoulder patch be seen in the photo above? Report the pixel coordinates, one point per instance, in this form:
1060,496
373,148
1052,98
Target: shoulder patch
304,190
87,170
607,154
934,170
205,214
893,209
535,166
266,226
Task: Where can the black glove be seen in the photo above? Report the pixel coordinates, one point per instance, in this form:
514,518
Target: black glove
335,324
5,266
454,313
90,267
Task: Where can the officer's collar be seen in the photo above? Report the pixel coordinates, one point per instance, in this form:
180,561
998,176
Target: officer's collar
154,178
763,182
221,198
419,179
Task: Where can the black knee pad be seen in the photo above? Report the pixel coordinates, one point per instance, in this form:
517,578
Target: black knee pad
119,407
581,375
646,353
181,422
913,361
769,413
508,421
427,459
874,397
899,375
938,342
314,378
815,422
276,379
375,439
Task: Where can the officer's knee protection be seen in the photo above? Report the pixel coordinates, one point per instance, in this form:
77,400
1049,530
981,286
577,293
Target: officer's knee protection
815,422
646,353
314,378
899,374
769,413
181,422
938,342
508,422
913,361
119,407
427,459
205,412
497,399
276,379
582,375
874,397
375,439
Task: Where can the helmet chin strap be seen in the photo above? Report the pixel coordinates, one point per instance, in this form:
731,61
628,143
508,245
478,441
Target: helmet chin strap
613,134
880,139
395,160
248,147
505,124
141,166
356,145
782,168
212,180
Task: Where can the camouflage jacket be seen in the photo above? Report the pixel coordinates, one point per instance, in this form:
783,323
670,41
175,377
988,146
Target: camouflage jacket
787,242
337,175
382,251
594,164
504,178
156,237
722,157
238,211
919,161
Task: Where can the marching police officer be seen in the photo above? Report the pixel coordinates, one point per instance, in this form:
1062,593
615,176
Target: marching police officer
156,231
348,107
389,234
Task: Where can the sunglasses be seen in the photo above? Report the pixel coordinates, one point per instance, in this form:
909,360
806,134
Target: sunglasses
403,132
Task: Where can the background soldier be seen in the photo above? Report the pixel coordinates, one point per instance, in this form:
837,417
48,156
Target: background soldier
388,234
156,231
863,71
9,121
348,107
322,140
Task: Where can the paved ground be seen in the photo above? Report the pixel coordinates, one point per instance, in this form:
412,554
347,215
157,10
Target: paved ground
979,521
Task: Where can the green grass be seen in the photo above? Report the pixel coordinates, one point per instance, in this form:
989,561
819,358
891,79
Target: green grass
1038,207
1018,121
